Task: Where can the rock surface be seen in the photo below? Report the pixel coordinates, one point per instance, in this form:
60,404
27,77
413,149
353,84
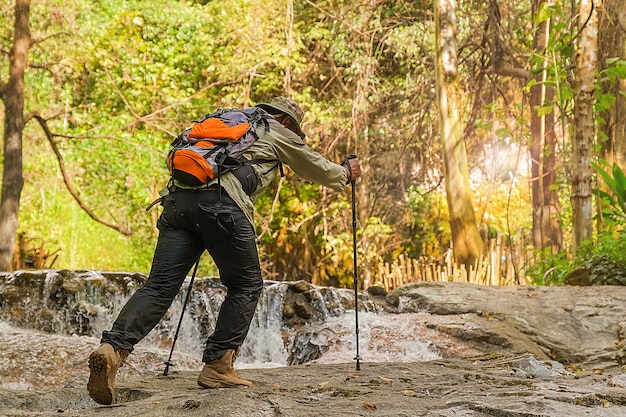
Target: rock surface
506,351
454,387
584,326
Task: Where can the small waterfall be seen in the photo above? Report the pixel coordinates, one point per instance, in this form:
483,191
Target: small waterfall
264,345
382,338
295,322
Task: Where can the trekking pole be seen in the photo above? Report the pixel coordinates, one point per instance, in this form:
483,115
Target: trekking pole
169,363
354,258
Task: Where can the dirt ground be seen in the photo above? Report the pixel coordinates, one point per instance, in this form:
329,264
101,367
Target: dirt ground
488,386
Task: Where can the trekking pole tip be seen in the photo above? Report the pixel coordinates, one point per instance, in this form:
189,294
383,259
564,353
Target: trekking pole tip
166,371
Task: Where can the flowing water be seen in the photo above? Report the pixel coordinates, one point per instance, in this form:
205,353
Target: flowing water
79,305
383,337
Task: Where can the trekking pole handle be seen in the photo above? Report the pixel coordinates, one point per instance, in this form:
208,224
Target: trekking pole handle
346,163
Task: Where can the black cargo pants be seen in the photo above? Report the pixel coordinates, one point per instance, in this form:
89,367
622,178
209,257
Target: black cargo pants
191,222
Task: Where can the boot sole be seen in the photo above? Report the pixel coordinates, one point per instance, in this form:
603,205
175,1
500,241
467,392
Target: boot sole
221,384
98,385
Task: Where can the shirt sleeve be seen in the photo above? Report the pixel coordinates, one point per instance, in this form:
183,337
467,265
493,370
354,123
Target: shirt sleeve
306,163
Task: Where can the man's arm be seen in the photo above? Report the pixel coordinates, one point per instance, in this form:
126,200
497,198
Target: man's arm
311,165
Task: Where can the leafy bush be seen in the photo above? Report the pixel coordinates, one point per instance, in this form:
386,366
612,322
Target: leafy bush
549,269
612,201
601,261
605,260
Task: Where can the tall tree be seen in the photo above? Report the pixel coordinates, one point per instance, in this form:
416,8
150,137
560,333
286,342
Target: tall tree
12,94
510,59
584,129
466,240
612,46
547,232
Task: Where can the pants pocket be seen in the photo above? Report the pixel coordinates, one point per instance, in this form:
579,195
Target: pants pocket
168,216
222,215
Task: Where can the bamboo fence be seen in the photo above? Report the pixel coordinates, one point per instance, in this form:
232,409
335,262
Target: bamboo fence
501,264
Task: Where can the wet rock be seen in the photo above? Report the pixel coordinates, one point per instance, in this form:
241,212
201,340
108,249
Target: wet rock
472,332
288,312
60,301
299,286
530,366
308,346
303,309
304,303
377,291
393,300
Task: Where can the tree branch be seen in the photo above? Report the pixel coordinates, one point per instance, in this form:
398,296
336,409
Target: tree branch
44,39
66,179
147,118
513,72
341,20
297,226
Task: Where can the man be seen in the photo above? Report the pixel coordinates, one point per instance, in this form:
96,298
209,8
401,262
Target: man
219,219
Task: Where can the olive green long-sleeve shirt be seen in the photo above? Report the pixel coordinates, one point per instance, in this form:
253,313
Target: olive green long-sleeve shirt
281,145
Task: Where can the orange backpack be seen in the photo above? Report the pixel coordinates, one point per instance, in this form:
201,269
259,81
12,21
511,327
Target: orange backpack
215,145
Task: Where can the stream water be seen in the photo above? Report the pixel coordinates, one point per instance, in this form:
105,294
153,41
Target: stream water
383,337
84,303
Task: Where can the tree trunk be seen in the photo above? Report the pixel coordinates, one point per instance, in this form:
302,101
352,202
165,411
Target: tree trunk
612,44
289,19
466,241
12,94
547,232
584,131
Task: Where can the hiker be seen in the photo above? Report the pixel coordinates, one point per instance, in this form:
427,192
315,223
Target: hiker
219,219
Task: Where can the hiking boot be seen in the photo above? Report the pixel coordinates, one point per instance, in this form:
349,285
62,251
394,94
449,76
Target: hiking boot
103,365
221,374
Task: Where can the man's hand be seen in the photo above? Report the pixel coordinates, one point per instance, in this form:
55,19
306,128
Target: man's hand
352,165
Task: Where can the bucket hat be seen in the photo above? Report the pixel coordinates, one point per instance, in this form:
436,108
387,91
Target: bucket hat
287,106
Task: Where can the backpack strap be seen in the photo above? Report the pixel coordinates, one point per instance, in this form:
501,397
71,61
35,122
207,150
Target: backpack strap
220,164
247,177
278,165
154,203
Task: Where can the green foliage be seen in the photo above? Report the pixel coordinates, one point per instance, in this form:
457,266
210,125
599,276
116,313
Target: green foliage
121,63
125,78
118,80
612,203
428,222
549,269
601,261
604,95
605,259
557,56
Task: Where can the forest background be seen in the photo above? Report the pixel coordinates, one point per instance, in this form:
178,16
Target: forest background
491,133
